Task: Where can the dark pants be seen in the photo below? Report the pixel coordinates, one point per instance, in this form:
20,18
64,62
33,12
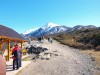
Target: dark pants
15,62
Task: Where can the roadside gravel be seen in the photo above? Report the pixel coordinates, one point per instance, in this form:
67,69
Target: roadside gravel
62,60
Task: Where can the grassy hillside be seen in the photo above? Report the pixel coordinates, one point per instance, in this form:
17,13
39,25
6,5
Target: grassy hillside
82,39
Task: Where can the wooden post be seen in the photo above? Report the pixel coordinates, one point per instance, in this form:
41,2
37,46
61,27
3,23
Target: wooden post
21,44
0,46
1,43
8,50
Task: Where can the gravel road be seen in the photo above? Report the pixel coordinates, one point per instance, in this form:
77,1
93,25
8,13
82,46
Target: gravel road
63,60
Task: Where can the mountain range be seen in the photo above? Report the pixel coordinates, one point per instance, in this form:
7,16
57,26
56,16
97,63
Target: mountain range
51,28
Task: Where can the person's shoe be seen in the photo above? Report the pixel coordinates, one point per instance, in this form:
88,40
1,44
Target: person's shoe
13,68
17,68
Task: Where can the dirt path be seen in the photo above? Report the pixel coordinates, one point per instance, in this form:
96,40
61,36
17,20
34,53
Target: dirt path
63,61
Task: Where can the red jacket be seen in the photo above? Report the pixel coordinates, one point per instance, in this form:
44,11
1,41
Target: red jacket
14,52
16,48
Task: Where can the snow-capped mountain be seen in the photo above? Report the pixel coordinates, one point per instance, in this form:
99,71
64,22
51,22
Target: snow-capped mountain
58,29
81,27
30,31
50,28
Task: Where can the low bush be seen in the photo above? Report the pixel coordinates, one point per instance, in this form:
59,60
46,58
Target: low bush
98,48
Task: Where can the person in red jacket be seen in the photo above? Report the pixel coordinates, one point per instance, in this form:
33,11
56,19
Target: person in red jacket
15,56
2,66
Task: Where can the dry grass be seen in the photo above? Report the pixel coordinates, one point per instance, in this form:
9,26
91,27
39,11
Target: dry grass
95,55
26,59
71,43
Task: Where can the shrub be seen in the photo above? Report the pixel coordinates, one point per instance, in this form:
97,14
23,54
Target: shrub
98,48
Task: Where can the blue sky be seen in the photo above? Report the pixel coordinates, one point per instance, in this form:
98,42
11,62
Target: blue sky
22,15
